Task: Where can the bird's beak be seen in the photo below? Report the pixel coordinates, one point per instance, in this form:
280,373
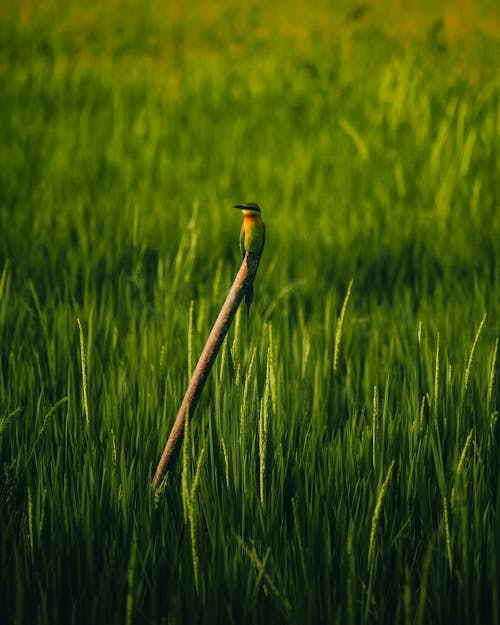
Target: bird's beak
239,206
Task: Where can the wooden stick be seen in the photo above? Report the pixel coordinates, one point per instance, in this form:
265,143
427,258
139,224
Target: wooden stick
244,278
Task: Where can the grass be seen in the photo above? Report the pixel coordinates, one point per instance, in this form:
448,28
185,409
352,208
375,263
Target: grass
342,465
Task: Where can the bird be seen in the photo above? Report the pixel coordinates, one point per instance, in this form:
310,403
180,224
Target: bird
252,238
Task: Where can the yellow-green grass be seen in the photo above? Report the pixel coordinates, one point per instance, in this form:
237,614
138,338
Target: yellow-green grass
342,465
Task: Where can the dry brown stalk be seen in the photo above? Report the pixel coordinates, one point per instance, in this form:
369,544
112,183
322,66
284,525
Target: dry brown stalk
244,278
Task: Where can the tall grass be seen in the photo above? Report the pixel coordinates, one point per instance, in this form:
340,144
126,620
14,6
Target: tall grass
342,465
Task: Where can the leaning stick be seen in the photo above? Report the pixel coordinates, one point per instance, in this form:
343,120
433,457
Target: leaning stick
243,280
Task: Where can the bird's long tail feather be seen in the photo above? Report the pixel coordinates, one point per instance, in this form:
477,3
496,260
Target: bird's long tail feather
249,296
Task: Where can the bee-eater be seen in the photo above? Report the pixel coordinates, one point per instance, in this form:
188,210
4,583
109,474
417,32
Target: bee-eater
252,237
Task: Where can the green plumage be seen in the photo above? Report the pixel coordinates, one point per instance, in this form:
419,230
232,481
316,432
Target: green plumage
252,237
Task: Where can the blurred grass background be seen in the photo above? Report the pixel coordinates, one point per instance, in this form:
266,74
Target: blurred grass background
369,135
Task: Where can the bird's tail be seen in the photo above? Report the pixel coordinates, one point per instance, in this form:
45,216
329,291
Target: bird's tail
249,296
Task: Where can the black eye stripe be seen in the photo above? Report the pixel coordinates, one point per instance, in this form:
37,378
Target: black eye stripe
251,206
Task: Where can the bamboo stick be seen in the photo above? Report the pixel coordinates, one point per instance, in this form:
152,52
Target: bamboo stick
243,280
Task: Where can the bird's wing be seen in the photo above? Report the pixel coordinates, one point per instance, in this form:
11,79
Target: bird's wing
242,242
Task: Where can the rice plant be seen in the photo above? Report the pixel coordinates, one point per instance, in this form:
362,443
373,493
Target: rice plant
342,463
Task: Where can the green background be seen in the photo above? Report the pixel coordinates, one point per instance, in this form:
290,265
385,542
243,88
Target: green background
340,467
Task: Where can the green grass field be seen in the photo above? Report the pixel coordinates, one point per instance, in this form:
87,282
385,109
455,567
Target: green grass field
343,463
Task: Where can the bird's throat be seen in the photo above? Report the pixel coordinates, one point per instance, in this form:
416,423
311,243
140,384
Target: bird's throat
251,217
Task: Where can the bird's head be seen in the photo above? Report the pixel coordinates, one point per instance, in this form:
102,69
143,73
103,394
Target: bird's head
249,209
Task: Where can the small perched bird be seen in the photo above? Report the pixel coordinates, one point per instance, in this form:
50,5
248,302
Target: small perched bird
252,237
